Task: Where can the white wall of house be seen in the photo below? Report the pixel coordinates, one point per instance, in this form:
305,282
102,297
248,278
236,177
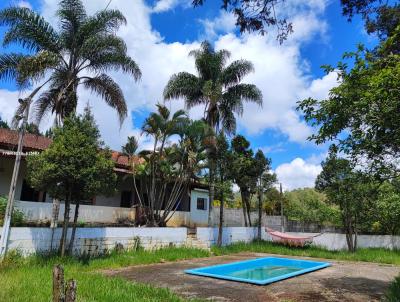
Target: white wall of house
199,216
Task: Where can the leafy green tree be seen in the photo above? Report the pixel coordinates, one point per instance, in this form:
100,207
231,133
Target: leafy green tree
387,208
33,129
361,114
80,53
310,206
243,172
218,88
347,188
74,168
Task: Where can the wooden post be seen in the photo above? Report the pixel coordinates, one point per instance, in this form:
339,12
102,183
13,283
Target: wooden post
70,291
58,284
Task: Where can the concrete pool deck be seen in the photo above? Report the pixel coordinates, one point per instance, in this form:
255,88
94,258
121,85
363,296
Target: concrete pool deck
343,281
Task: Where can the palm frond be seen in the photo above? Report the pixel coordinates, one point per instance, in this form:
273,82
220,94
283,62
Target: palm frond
110,91
235,72
115,61
185,85
45,104
34,67
103,22
72,15
29,29
9,64
245,92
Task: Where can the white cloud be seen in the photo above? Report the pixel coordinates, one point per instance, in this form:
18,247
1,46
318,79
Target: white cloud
298,174
166,5
23,3
280,72
224,23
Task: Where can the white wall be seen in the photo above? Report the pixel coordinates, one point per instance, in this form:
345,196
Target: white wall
39,211
95,240
335,241
98,240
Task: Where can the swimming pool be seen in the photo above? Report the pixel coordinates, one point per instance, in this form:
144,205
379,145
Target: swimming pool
260,271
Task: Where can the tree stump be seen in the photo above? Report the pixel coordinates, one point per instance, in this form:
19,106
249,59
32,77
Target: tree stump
70,292
62,292
58,284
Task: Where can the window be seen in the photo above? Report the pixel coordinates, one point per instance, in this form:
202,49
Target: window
30,194
201,203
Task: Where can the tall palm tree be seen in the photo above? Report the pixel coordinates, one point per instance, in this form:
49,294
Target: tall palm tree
79,53
218,88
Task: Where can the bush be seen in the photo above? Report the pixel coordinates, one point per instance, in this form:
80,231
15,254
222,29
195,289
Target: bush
393,293
17,218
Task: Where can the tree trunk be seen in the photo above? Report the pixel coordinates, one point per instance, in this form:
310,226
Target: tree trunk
65,226
244,207
247,200
54,219
221,221
212,191
70,291
71,242
259,214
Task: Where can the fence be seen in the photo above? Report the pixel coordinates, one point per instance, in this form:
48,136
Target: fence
99,240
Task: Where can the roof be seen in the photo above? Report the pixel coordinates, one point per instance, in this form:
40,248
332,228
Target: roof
9,138
32,142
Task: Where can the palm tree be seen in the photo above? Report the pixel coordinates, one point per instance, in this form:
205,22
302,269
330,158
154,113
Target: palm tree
79,53
218,88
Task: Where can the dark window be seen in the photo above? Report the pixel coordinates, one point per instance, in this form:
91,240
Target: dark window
126,198
30,194
201,204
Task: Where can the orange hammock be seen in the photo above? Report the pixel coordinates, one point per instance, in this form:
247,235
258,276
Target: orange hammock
290,240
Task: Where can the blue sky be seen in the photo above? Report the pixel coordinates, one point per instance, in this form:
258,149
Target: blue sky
159,35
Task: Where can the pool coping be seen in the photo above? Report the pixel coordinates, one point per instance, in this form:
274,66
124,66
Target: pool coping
198,272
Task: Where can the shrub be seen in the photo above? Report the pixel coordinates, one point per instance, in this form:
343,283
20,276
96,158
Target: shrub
393,293
17,218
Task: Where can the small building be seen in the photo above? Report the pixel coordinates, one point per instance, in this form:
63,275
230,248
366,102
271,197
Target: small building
119,208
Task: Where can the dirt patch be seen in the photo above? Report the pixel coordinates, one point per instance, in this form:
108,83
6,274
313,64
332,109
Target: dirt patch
343,281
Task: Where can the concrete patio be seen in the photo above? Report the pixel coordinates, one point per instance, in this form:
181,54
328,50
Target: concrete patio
343,281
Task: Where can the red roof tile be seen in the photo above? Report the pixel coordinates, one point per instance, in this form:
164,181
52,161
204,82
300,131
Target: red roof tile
9,139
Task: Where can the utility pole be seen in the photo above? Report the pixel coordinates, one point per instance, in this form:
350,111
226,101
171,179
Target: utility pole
10,202
282,217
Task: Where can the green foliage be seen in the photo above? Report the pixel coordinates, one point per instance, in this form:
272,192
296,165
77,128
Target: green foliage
393,292
17,217
309,206
361,113
351,190
4,124
131,146
79,53
386,209
74,166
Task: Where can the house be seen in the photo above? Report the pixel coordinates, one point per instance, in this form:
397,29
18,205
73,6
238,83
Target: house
37,206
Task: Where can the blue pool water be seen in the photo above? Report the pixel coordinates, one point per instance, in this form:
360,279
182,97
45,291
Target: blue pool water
260,271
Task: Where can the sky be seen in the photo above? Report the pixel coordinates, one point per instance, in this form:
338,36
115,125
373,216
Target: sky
160,34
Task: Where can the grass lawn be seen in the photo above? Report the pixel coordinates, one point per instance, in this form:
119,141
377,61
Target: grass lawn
29,279
377,255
